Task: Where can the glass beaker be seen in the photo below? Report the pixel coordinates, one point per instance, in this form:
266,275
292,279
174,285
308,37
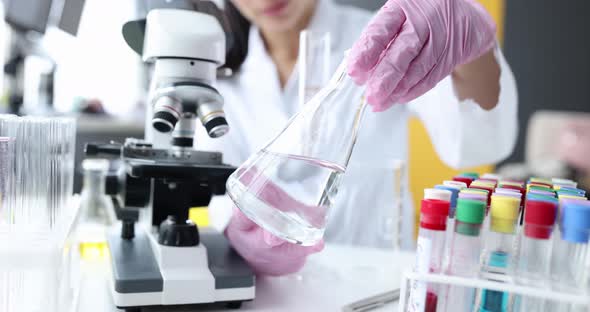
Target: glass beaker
96,209
289,186
6,155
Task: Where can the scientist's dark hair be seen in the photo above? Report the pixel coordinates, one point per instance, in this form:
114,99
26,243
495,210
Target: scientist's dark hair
238,33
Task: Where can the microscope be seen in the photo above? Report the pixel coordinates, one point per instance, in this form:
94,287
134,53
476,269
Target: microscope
158,256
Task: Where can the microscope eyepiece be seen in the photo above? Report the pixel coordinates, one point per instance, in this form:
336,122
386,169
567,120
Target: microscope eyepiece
167,112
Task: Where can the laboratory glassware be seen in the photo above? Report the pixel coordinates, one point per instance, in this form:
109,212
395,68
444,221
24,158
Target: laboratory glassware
464,179
454,195
570,251
480,197
314,63
451,218
465,250
473,175
289,186
438,194
558,182
42,168
499,247
6,155
96,209
457,184
35,250
392,183
429,253
535,251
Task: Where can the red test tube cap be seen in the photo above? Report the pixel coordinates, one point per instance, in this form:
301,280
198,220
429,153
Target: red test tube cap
466,180
433,214
539,217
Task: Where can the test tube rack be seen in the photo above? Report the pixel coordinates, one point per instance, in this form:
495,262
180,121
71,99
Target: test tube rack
505,282
39,270
498,282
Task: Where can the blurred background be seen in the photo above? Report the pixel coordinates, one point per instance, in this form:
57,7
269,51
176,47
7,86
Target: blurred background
68,57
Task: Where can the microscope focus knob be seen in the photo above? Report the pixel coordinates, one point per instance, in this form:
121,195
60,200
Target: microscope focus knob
178,234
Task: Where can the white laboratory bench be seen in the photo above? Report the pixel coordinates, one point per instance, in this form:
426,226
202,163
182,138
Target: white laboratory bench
331,279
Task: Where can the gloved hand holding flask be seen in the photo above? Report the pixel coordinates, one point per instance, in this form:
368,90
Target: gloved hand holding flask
410,46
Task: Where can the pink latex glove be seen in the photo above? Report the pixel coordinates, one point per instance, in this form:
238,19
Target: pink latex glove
264,252
411,45
575,145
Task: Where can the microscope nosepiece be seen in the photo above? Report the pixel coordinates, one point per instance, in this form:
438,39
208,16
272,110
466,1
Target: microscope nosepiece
167,112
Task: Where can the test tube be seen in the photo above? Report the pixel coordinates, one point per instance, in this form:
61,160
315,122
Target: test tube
464,179
491,176
439,194
451,218
465,249
563,182
568,262
429,253
473,175
535,251
541,192
457,184
455,194
6,154
481,197
571,191
499,248
539,180
484,187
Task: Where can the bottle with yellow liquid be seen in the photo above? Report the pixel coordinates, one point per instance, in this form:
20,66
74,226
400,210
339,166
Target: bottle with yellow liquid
96,210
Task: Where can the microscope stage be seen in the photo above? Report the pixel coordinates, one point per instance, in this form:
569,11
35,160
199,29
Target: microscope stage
145,273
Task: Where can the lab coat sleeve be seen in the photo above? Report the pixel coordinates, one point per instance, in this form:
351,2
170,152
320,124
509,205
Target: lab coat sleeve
220,206
463,134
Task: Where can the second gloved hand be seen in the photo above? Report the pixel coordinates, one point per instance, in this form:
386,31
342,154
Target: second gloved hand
574,144
264,252
411,45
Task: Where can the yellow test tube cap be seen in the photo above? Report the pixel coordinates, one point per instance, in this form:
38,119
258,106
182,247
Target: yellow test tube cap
484,184
504,213
475,191
511,183
567,196
540,180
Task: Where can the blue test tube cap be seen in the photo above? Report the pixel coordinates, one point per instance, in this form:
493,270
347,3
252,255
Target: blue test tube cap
569,188
575,221
571,191
454,196
454,193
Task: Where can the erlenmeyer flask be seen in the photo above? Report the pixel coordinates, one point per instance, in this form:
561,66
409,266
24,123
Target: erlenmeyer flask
313,64
290,185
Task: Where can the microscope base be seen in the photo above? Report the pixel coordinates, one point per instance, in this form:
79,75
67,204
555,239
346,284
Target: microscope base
145,273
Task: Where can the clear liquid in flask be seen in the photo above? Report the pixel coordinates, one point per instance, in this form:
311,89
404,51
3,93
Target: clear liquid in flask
289,196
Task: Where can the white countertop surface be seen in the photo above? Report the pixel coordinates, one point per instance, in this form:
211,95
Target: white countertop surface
337,276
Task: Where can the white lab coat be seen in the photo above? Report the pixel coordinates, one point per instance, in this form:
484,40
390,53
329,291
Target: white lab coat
462,133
